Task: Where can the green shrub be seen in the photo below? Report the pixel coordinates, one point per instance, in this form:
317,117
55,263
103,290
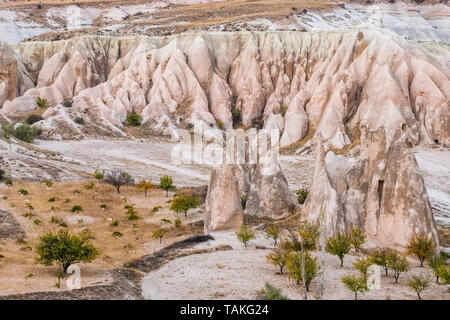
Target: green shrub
301,195
115,223
52,199
37,222
9,182
64,249
156,209
283,110
339,246
23,192
98,175
103,206
178,222
33,119
76,208
245,234
131,213
117,234
41,102
134,119
89,186
269,292
220,124
2,174
49,183
23,132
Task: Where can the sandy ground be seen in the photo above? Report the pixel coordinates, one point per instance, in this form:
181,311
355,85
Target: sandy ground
18,260
241,272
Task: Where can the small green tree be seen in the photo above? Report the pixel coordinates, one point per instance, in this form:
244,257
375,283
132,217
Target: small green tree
273,232
144,186
245,234
419,283
294,265
362,265
355,284
278,258
65,249
269,292
379,257
421,247
357,238
184,203
166,183
160,233
339,246
434,262
397,263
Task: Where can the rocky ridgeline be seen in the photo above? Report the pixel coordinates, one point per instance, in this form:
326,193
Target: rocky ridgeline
359,93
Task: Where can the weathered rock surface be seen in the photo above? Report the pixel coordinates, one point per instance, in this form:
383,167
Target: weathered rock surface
381,191
223,202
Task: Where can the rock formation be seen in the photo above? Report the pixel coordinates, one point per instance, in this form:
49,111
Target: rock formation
331,83
223,203
381,192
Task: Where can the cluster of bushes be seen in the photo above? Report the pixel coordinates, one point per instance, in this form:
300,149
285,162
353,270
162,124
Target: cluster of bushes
22,132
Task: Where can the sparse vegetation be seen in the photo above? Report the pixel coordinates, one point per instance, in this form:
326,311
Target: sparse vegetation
2,174
64,249
283,110
89,186
97,175
237,116
245,234
177,222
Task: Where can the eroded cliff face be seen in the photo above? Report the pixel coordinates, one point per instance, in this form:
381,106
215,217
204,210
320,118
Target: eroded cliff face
330,83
